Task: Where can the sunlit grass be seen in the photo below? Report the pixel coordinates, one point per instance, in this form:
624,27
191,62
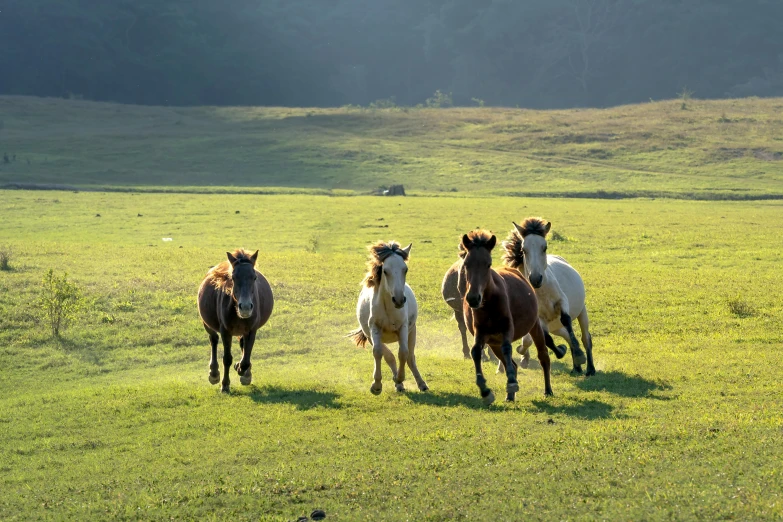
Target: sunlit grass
117,420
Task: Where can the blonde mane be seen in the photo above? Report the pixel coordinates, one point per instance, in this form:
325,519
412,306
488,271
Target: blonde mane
379,252
220,275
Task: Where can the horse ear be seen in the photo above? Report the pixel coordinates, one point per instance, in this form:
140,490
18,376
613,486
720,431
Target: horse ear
254,257
407,249
547,227
231,258
491,243
519,229
466,242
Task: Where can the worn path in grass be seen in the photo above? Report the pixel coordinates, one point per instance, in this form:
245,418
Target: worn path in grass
117,420
729,149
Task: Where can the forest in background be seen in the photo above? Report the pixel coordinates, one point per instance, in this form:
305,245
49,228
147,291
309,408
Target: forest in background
527,53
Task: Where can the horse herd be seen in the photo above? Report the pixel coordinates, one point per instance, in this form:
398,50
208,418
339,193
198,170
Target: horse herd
532,295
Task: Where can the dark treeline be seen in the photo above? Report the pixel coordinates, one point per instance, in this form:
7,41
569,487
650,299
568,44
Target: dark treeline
531,53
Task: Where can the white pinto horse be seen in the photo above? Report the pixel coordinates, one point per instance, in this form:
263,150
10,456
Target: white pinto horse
387,313
558,286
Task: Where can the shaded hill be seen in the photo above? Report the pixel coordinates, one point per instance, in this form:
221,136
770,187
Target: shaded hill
709,149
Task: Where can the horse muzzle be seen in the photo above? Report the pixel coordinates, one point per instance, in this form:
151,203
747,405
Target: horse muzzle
399,303
536,280
474,301
244,311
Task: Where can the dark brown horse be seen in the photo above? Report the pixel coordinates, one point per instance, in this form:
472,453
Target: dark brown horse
500,307
234,300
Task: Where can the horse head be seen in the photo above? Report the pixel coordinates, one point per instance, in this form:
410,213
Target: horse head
533,232
476,251
243,277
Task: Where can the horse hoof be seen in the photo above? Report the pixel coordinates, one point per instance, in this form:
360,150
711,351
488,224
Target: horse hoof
423,387
580,358
510,397
247,378
489,399
214,379
225,389
590,372
376,391
549,393
399,387
524,363
512,387
576,371
561,351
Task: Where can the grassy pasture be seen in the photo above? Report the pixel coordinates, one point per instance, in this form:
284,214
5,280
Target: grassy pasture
117,420
729,149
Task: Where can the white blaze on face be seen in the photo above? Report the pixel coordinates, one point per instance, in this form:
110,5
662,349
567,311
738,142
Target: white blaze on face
534,247
395,271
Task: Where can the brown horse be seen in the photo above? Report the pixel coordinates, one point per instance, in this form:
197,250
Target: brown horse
500,307
452,294
234,300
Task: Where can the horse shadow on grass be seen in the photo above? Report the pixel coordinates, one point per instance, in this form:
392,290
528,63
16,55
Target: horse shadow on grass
624,385
582,409
300,399
449,399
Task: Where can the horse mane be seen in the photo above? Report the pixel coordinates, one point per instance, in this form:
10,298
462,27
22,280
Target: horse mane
379,252
477,238
534,225
220,275
513,257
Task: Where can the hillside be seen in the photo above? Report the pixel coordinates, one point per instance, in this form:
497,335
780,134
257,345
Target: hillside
710,149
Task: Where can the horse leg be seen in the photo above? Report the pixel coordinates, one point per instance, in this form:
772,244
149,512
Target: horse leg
402,354
524,350
378,349
391,361
587,340
577,354
226,338
512,386
486,394
214,368
537,333
463,331
243,366
412,360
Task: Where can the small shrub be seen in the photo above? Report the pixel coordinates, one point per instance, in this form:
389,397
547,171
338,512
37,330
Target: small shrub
60,301
440,100
6,254
384,103
313,244
685,95
557,236
478,101
740,308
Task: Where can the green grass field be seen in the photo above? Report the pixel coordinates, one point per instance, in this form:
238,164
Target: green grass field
728,149
117,419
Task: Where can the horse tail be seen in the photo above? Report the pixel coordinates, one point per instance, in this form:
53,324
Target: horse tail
357,337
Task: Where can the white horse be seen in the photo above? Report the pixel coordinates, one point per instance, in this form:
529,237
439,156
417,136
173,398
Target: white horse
558,286
387,313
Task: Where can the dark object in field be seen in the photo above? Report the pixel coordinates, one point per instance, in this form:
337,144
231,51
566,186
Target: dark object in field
97,215
318,514
550,421
6,159
302,519
236,212
394,190
500,307
138,215
234,300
